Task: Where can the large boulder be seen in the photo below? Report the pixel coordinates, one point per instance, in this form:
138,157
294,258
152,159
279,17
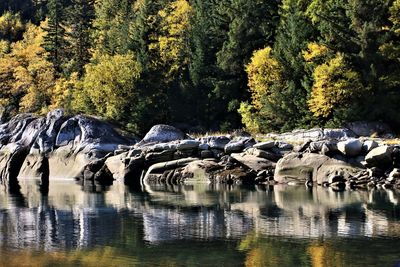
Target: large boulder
380,157
162,133
55,145
350,148
300,168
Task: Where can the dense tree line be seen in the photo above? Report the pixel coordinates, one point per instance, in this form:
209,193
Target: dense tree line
265,64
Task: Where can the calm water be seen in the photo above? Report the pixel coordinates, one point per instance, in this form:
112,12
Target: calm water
198,226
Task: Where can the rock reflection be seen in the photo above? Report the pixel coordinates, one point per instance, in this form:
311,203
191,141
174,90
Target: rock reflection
68,216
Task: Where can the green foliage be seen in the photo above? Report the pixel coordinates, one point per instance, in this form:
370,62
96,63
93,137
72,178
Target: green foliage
277,64
110,85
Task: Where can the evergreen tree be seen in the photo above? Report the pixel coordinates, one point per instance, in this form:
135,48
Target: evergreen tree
55,42
81,16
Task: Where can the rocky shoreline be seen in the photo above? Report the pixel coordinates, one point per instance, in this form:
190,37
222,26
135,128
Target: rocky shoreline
94,153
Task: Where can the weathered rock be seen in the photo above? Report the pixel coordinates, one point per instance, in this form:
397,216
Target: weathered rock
283,145
350,148
169,165
265,145
338,134
234,147
263,154
380,157
296,167
188,145
253,162
117,166
156,157
218,142
161,134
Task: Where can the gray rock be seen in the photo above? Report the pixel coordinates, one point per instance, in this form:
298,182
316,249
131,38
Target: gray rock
380,157
188,145
296,167
369,145
234,147
162,133
204,146
350,148
339,134
283,145
265,145
218,142
263,154
253,162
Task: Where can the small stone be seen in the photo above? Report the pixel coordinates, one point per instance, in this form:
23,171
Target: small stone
265,145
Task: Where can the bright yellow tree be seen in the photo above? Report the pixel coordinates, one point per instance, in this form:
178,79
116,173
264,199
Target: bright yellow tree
110,84
26,77
172,44
263,72
335,84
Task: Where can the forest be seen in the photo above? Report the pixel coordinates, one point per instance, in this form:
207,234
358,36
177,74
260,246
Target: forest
262,65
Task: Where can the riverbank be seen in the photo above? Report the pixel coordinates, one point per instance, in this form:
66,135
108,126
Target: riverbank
93,152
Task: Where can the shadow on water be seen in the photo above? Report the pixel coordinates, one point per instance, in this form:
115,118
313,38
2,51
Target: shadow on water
71,223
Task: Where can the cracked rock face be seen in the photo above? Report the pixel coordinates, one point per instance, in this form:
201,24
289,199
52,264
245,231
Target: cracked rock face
55,145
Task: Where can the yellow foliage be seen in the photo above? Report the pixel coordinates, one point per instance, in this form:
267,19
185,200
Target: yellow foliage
10,25
63,92
172,44
26,74
248,113
315,51
110,84
334,86
263,70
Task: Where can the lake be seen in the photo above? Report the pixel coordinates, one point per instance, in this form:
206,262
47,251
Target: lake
197,225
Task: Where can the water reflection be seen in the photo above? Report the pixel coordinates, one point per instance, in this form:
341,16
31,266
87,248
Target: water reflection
251,221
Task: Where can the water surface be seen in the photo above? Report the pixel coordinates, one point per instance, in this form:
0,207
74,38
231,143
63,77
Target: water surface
197,225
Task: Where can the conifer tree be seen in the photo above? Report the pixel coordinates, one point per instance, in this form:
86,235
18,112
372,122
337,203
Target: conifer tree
80,17
55,42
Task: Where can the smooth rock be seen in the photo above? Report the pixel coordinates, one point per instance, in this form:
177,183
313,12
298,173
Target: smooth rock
368,145
265,145
218,142
350,148
162,133
234,147
380,157
311,167
253,162
188,145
